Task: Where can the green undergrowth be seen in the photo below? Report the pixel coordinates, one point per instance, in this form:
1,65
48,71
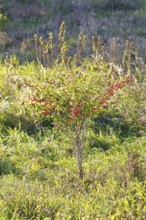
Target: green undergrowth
39,178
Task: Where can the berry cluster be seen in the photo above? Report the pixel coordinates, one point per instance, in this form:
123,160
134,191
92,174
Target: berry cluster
104,100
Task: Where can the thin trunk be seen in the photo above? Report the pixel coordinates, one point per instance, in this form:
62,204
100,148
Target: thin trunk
80,140
79,158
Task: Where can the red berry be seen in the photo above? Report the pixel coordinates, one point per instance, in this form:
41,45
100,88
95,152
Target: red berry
75,111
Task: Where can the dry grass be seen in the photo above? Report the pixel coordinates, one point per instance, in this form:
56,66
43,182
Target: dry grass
107,18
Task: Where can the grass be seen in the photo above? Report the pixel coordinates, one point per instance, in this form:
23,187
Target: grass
38,166
105,18
39,179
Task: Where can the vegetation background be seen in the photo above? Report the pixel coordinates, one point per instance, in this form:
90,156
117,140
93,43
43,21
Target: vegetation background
111,19
43,101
